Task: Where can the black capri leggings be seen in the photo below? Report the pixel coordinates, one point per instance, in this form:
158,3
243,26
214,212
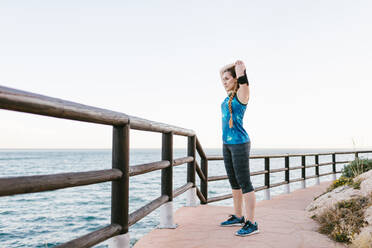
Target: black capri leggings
236,158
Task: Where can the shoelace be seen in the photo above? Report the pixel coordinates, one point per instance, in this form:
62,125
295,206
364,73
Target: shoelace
247,224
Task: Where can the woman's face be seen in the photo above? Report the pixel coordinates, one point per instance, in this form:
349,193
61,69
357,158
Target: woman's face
228,81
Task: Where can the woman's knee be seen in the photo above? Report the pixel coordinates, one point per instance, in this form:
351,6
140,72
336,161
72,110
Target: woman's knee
244,181
233,182
247,188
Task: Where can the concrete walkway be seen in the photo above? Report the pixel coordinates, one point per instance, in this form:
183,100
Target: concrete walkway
282,222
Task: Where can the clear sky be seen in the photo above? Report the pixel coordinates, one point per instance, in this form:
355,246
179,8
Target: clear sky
309,65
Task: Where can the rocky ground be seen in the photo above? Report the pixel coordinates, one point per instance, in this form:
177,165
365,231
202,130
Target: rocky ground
346,193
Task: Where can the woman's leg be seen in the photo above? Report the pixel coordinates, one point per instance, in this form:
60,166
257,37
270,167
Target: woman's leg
250,204
236,190
240,157
238,202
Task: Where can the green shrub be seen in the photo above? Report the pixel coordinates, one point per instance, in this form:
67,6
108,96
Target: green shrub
356,167
351,170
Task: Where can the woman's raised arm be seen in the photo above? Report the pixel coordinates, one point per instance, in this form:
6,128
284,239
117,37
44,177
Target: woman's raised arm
243,91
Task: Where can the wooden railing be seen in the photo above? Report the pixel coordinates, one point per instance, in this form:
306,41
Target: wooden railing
121,219
286,169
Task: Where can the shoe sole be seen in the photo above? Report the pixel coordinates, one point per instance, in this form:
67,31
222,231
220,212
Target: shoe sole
243,235
237,224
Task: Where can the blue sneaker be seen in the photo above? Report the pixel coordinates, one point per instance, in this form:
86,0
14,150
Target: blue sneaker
233,221
248,229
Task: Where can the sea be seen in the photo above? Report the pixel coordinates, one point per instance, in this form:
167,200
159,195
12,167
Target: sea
51,218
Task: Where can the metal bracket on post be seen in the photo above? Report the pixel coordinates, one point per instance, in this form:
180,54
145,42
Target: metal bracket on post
267,195
166,216
288,188
317,180
303,184
119,241
334,176
191,198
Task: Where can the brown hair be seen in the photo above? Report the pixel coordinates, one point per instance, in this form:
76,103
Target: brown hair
233,74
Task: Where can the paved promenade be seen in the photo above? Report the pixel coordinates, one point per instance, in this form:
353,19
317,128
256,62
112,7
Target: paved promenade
282,223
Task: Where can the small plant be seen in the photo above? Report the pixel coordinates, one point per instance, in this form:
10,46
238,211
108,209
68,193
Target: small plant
356,184
342,180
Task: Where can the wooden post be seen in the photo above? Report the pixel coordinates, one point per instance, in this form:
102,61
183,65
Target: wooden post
267,178
191,146
286,161
303,171
191,171
120,187
317,169
334,166
166,210
356,155
204,184
167,173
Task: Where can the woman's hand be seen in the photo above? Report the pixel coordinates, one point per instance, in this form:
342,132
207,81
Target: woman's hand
239,68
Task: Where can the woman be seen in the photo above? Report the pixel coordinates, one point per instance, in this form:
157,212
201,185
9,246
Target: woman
236,147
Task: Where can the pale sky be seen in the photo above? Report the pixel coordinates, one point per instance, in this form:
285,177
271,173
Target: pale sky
308,63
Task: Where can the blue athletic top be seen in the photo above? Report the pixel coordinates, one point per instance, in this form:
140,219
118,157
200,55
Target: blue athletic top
236,134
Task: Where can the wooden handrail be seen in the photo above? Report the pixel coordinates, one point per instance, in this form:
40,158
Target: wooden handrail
182,189
40,183
94,237
24,101
200,172
135,170
147,209
199,149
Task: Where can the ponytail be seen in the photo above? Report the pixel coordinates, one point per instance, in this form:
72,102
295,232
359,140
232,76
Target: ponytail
230,108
